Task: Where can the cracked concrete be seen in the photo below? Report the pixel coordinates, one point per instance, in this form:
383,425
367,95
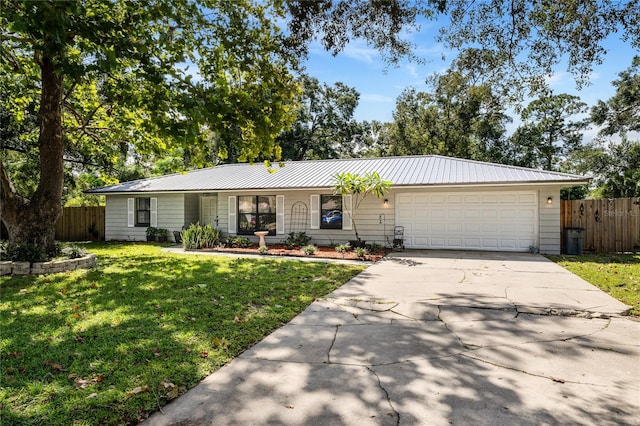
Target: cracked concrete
436,338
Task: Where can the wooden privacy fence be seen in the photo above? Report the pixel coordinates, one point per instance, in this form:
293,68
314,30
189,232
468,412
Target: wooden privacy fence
81,224
610,225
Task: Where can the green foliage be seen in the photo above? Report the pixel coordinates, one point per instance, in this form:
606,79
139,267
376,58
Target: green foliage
527,40
309,250
199,236
616,274
343,248
382,24
238,242
621,113
373,248
26,252
549,133
324,125
615,167
151,231
75,346
263,249
359,186
299,239
73,251
460,118
361,252
111,77
521,42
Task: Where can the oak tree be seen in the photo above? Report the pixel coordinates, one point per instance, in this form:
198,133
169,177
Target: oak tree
112,77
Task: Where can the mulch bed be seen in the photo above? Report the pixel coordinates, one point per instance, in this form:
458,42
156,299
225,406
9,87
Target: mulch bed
321,252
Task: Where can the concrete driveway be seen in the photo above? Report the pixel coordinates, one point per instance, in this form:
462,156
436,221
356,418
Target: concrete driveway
436,338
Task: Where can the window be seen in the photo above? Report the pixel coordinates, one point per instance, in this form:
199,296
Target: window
256,213
143,211
330,212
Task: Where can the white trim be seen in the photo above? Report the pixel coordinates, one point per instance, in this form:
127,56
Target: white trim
347,223
131,212
315,212
153,212
231,208
279,214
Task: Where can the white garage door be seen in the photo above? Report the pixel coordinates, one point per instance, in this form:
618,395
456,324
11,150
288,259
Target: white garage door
502,221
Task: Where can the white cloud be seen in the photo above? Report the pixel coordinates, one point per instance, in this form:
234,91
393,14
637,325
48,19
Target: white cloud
557,79
412,70
360,52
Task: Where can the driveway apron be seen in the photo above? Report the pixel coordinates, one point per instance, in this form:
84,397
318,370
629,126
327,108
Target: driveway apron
436,338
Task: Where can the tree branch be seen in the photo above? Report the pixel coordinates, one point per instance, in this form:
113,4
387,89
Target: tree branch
17,39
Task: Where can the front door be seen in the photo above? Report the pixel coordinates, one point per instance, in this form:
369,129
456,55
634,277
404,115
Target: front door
209,211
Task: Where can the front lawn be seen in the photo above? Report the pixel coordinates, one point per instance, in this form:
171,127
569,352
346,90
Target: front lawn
617,274
111,345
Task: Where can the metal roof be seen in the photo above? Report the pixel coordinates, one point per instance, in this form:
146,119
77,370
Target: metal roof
424,170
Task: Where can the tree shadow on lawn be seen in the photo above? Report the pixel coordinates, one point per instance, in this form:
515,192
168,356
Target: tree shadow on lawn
386,370
111,344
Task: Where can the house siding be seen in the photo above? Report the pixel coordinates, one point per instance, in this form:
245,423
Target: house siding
375,221
549,220
367,218
170,216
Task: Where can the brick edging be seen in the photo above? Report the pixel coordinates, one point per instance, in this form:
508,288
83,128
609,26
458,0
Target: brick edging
43,268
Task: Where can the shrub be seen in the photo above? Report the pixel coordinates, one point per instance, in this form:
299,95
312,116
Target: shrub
74,251
162,234
240,242
361,252
198,236
263,249
343,248
294,240
374,248
151,232
27,252
309,250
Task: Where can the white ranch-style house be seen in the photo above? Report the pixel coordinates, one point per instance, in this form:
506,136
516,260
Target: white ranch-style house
442,203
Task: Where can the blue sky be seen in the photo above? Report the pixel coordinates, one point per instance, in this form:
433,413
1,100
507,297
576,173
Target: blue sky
361,66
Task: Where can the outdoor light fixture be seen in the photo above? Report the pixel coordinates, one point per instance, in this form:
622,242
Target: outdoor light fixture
386,202
550,200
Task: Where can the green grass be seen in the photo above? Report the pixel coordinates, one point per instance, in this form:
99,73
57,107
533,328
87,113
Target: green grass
617,274
111,345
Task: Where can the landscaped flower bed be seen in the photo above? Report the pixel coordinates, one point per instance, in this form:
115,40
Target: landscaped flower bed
321,252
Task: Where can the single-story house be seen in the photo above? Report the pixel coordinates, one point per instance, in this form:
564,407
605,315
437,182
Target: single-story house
442,203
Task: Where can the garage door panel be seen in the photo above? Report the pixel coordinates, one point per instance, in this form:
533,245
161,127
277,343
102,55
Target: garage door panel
531,198
438,213
490,228
454,227
490,213
421,228
419,241
472,220
438,227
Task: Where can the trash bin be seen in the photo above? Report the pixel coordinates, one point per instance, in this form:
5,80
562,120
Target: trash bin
573,240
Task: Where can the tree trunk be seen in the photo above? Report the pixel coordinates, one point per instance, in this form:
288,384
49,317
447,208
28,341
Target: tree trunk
33,221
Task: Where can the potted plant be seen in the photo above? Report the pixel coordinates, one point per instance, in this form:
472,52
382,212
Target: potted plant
151,233
162,235
359,187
